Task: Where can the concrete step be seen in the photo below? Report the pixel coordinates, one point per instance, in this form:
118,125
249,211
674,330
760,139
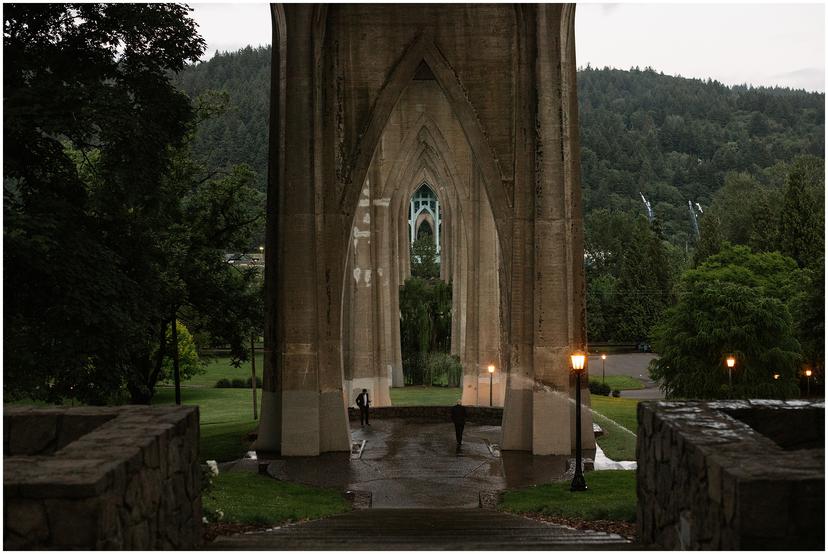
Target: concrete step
422,529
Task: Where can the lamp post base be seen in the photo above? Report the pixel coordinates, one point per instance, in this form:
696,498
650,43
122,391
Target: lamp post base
578,482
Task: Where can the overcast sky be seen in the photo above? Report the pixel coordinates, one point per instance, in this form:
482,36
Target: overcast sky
759,44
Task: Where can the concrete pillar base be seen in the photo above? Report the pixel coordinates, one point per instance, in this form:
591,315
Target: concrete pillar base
269,437
378,390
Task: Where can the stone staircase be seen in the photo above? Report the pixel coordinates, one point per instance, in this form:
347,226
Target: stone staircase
423,529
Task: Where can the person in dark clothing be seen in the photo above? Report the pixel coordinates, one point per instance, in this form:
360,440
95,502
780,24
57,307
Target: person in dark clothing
458,416
363,402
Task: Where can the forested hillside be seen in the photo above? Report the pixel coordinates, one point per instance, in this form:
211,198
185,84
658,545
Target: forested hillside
642,132
673,140
239,135
735,154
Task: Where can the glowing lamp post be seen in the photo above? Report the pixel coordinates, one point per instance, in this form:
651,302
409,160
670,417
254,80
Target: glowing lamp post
491,382
603,367
808,374
578,482
731,362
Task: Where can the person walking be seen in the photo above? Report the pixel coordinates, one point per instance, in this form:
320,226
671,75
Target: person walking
363,402
458,416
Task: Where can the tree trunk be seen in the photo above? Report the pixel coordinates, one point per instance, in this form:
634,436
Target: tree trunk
176,372
253,371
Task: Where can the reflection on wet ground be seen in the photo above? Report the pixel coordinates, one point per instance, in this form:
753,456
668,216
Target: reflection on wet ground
410,464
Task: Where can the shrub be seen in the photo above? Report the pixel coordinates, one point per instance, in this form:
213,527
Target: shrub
597,387
443,369
189,363
223,384
239,384
432,368
250,382
616,393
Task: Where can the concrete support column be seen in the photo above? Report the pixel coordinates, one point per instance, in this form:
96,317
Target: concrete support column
457,282
387,295
471,358
488,301
517,412
297,347
303,413
270,419
575,227
558,306
392,274
366,360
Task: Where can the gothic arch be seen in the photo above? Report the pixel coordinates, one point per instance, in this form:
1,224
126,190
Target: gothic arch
338,74
424,49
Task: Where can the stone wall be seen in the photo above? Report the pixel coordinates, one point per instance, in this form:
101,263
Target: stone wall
101,478
731,475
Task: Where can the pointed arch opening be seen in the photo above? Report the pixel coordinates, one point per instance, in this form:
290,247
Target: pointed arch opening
435,188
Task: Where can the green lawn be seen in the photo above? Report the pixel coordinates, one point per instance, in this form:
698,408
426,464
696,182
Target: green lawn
226,417
220,368
425,396
622,410
251,498
619,382
616,416
611,495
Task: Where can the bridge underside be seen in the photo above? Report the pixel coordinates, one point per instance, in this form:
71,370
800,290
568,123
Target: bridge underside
370,102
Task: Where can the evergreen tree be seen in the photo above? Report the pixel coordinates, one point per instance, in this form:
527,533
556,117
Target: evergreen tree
424,258
802,220
710,239
809,310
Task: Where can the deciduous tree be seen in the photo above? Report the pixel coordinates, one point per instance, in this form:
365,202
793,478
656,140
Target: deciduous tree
734,303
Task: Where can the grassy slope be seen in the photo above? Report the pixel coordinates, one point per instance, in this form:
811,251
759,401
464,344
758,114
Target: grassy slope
611,495
619,382
226,416
621,410
251,498
618,414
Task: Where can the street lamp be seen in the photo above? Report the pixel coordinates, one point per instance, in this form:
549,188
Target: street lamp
808,374
491,381
578,482
731,361
603,364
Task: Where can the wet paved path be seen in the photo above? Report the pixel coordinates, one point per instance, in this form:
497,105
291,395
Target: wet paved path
422,529
425,492
415,464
